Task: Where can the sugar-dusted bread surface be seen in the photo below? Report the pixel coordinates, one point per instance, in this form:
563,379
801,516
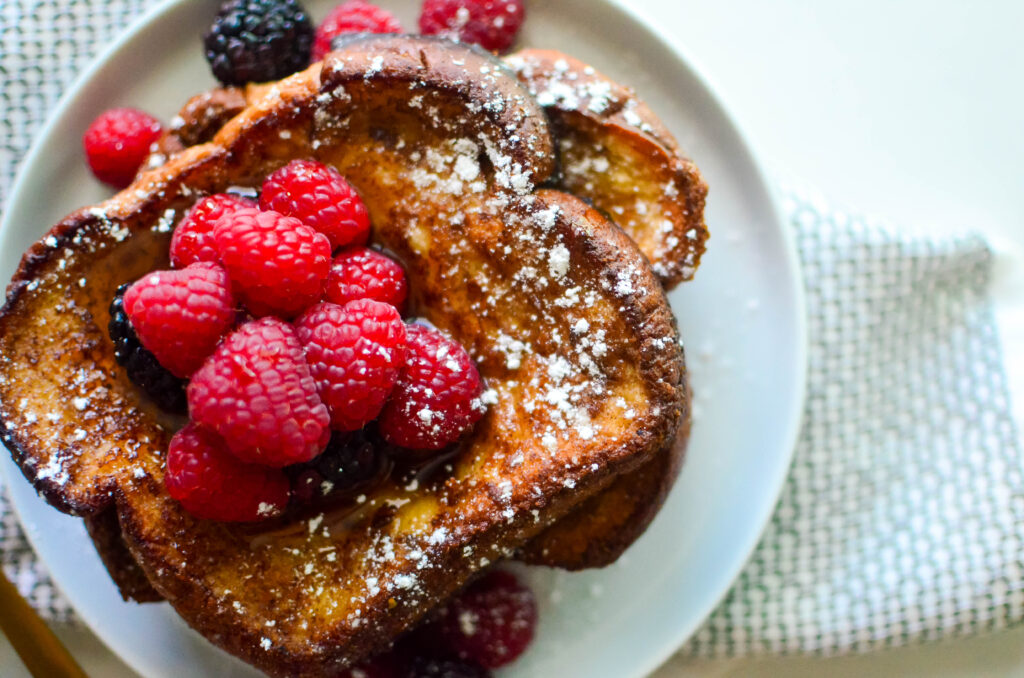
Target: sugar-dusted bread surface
563,314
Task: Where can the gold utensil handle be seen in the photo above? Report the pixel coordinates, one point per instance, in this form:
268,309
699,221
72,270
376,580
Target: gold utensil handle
40,650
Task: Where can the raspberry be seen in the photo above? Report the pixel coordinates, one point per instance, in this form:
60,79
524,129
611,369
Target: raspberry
257,393
437,397
430,667
354,354
354,16
277,263
213,485
362,273
492,24
318,196
258,41
192,240
181,315
167,390
117,143
492,622
381,666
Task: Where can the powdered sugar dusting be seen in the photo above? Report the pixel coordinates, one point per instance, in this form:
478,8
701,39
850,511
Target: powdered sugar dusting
549,338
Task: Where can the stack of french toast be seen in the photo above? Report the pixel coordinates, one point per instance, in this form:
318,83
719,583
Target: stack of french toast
541,212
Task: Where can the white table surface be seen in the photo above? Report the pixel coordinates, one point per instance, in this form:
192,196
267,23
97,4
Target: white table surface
908,110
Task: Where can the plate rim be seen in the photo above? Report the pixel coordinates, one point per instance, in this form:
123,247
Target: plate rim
794,270
641,20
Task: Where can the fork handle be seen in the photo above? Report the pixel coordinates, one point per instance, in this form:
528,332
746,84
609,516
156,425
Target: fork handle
40,650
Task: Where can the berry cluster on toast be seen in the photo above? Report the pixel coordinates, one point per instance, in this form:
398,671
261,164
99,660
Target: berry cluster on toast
562,311
617,155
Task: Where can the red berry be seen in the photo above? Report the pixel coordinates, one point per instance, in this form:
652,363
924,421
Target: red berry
193,237
492,622
354,354
437,397
277,263
318,196
383,666
492,24
117,143
212,484
354,16
427,666
362,273
257,393
180,316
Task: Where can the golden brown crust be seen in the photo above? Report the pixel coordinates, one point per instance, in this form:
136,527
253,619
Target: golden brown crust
597,532
563,315
201,118
105,532
618,155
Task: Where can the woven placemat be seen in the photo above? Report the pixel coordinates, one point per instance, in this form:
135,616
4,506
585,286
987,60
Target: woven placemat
902,518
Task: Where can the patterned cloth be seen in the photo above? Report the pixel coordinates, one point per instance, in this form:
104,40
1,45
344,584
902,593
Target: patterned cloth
902,519
903,516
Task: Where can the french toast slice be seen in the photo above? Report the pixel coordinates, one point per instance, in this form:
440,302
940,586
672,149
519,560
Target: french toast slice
598,531
567,323
619,183
616,154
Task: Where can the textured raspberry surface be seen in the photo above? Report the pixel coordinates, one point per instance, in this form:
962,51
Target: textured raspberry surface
192,240
117,142
212,484
318,196
492,622
354,354
362,273
355,16
432,667
437,397
257,393
277,264
492,24
384,666
179,316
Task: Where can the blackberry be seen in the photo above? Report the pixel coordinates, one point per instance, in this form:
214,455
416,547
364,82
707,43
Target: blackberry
350,460
167,390
258,41
426,667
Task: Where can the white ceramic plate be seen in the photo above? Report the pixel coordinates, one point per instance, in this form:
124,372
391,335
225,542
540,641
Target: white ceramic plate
742,321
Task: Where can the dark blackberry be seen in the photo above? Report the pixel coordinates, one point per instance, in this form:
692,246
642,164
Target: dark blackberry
258,41
167,390
350,460
427,667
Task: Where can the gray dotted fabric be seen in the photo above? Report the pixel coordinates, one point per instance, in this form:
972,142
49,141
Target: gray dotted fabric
903,517
44,44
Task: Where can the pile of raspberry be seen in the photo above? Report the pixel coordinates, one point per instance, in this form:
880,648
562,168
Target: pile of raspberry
489,624
264,40
286,333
